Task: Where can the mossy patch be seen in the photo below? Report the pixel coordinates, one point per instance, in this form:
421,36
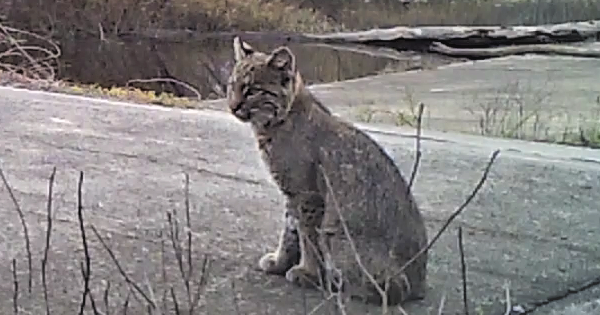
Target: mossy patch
128,94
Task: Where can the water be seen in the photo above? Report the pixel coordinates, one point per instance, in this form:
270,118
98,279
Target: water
204,65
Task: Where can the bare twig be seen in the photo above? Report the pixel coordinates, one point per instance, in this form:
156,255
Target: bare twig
163,263
126,303
175,303
86,265
85,275
417,148
24,225
48,235
508,303
121,270
463,268
151,294
442,302
236,306
453,216
105,297
165,307
171,80
15,287
201,283
357,257
189,240
177,248
40,66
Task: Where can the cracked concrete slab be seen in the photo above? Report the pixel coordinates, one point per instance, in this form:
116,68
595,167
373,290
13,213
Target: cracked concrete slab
534,224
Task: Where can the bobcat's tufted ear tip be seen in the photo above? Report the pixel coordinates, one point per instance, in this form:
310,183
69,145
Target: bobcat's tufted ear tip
241,49
283,58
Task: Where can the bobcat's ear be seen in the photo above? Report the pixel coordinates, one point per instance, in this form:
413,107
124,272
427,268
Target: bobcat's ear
283,58
241,49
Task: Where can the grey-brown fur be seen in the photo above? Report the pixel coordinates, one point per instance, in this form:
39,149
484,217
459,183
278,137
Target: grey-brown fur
300,142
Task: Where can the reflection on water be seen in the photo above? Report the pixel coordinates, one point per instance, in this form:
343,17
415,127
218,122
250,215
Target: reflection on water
205,65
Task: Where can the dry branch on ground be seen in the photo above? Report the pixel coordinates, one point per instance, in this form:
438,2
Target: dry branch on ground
495,52
27,55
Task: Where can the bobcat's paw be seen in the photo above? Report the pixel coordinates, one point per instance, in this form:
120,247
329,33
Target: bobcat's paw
301,276
273,263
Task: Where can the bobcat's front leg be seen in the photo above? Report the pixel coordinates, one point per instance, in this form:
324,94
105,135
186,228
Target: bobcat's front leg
310,208
287,253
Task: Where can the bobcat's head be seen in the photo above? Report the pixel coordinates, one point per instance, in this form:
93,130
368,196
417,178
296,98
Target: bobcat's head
262,86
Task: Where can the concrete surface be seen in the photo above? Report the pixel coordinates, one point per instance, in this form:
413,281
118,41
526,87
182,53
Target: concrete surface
533,225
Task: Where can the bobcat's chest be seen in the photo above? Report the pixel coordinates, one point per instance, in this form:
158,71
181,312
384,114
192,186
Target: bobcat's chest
292,169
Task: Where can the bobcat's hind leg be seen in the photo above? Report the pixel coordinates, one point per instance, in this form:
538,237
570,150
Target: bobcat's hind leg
287,253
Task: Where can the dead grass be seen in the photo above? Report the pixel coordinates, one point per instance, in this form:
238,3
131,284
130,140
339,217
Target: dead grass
516,111
127,94
64,18
363,15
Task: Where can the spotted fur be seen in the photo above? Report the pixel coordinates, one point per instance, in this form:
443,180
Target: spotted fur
305,147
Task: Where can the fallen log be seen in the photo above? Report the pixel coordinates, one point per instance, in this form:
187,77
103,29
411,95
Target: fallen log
472,42
476,42
466,36
495,52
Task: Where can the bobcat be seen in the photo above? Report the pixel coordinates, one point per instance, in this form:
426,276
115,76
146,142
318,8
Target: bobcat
326,167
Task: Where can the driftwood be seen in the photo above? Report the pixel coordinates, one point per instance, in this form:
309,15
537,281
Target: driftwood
542,49
470,35
473,42
476,42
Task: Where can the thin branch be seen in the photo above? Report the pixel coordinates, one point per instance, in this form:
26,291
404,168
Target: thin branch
40,65
463,269
24,225
453,216
442,303
126,303
175,242
508,303
353,245
87,262
121,270
189,240
84,274
15,287
418,153
236,306
201,283
171,80
151,294
48,235
165,307
163,263
175,303
105,297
